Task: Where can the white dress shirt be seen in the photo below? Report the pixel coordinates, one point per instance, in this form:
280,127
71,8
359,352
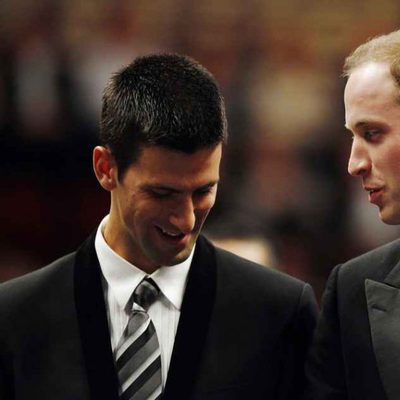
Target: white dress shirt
120,279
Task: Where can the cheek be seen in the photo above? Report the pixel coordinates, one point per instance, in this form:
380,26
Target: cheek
206,203
137,213
150,213
391,162
204,207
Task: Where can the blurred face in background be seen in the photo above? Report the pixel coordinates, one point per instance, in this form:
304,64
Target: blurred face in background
372,109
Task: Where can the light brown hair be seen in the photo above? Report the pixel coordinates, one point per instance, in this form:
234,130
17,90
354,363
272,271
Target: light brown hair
383,48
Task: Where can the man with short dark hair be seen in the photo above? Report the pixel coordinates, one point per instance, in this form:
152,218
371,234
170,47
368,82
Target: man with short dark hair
147,307
356,351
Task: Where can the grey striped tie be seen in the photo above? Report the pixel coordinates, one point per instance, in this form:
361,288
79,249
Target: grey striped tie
138,360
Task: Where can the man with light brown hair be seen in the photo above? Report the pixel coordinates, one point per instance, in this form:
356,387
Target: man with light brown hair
356,349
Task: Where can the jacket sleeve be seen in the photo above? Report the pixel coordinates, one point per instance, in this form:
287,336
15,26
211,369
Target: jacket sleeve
5,384
325,366
298,339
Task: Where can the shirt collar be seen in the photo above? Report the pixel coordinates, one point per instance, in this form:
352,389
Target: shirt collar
122,277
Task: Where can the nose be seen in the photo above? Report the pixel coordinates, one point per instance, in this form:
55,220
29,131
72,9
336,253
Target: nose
183,216
359,162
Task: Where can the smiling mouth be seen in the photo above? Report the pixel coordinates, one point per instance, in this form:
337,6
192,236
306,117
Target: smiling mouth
171,235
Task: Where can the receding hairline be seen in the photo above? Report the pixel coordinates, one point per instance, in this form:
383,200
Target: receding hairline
378,49
382,48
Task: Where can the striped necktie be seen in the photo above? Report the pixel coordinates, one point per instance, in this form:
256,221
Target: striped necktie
138,360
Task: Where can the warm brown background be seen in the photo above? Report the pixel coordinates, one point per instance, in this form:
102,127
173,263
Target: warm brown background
279,65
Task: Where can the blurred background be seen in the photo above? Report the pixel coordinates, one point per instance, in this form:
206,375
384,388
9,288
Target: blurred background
285,199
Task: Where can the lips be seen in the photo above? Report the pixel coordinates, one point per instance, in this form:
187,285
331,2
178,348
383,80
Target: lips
171,234
175,238
374,194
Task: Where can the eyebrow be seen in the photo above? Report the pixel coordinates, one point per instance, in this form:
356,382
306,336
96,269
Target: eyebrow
362,124
174,190
212,183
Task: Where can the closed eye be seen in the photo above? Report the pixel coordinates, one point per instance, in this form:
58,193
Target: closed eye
160,192
205,190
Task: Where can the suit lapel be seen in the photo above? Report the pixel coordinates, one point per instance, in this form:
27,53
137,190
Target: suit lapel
383,301
93,325
196,311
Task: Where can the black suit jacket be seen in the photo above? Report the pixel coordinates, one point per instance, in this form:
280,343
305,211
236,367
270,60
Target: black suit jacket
356,350
243,332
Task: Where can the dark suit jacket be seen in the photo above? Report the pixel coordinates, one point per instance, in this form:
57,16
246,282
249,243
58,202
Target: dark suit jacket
356,350
243,332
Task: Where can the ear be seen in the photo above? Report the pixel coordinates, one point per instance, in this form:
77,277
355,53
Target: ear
105,168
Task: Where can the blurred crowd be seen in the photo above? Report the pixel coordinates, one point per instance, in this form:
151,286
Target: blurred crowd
285,191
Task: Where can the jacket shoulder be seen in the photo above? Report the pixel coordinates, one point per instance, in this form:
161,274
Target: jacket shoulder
273,296
44,282
244,279
374,264
239,267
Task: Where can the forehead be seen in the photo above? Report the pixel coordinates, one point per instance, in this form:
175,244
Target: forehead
370,91
370,80
158,164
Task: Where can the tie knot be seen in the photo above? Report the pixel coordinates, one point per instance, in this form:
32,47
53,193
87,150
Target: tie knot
146,293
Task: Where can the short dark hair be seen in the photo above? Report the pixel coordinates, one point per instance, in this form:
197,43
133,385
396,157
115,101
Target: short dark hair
166,100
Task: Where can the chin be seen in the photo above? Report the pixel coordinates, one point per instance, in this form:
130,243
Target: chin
392,218
179,258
